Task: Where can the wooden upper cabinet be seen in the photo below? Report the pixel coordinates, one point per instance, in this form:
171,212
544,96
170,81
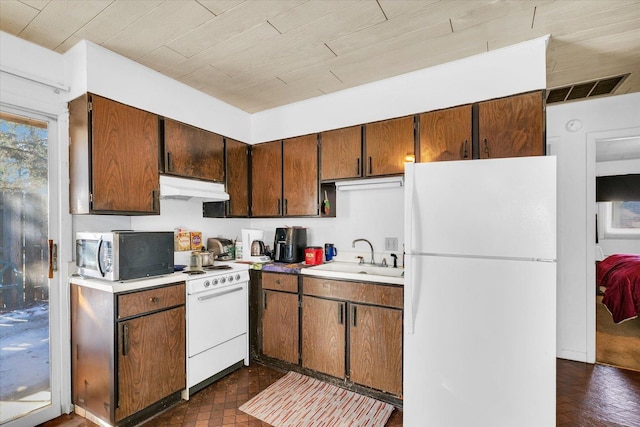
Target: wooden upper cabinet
300,176
341,153
512,126
266,179
192,152
237,177
446,135
114,158
387,143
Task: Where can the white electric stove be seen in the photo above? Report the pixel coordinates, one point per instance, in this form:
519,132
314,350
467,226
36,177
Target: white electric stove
217,323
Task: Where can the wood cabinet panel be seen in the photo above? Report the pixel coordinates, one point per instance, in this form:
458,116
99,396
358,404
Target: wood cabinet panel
376,347
341,153
125,158
512,126
266,179
369,293
192,152
151,359
323,335
92,350
446,135
387,143
237,177
300,176
280,282
150,300
280,328
122,368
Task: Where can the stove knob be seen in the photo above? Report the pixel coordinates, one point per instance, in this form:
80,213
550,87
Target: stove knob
222,280
206,284
230,279
237,277
214,281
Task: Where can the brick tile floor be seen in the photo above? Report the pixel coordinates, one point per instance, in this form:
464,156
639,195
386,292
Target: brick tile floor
587,396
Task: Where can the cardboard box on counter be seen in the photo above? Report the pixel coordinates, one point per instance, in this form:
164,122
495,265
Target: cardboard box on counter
182,240
196,240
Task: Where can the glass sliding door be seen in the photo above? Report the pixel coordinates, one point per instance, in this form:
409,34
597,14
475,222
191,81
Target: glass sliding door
25,276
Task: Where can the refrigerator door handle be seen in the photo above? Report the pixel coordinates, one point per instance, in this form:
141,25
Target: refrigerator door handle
409,200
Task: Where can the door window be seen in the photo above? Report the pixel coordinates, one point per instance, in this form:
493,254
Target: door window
25,377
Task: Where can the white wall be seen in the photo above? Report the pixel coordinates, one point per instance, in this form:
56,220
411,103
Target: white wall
106,73
497,73
601,119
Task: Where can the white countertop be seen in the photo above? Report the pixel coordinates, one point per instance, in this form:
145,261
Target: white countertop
137,284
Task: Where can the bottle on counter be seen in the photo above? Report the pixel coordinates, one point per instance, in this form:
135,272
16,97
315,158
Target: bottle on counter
238,250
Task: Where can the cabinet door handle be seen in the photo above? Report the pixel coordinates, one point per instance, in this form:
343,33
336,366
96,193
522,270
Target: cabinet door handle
370,166
358,167
465,153
154,200
125,339
486,148
286,206
169,162
264,300
279,207
353,315
341,314
154,300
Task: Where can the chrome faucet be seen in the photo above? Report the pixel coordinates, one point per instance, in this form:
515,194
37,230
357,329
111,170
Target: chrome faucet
353,245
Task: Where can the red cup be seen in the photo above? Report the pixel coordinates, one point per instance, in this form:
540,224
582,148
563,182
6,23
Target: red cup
313,255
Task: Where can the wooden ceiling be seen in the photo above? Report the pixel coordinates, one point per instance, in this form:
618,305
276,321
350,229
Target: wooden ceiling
260,54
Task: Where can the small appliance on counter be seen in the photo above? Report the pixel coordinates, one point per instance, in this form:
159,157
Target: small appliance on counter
221,248
289,244
254,249
124,254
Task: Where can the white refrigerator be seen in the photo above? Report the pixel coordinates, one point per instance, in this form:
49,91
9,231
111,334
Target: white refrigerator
480,293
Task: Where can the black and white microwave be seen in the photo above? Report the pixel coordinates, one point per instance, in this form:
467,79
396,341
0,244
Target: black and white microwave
124,255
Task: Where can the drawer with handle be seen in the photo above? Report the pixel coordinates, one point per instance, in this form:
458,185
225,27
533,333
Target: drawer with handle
280,282
141,302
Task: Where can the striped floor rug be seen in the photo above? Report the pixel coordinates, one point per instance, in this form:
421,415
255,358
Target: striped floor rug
298,400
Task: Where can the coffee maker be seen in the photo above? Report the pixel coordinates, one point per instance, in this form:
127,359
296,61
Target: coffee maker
289,244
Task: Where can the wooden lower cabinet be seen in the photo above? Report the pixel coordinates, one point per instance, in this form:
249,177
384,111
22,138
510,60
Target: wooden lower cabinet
375,343
353,331
323,335
280,326
280,316
128,358
151,359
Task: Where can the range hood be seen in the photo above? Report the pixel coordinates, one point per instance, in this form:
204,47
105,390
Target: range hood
172,187
370,184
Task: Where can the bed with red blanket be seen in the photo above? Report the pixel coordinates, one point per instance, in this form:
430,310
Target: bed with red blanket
619,274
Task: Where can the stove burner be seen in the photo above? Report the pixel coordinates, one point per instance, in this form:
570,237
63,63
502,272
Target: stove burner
217,267
194,272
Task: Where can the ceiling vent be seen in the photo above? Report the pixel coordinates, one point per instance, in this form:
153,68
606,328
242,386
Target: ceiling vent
599,87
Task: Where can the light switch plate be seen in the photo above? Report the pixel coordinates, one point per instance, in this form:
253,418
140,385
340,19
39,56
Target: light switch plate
390,243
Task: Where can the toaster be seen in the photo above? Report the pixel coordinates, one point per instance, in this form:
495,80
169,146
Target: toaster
222,248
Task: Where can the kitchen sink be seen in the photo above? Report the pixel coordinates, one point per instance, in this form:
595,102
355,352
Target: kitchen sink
354,271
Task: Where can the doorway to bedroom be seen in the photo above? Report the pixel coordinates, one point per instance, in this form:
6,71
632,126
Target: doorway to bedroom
617,235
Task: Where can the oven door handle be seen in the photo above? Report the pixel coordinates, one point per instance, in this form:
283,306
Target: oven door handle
219,294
